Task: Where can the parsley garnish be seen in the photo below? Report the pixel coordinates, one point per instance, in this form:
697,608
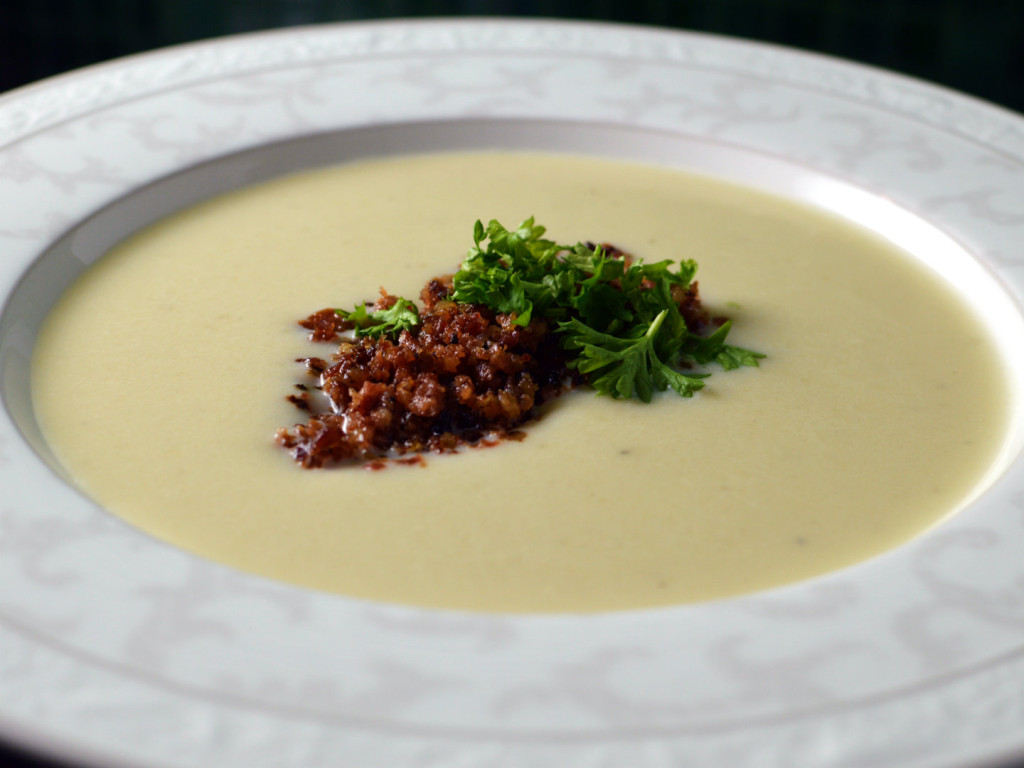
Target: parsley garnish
621,366
379,323
621,318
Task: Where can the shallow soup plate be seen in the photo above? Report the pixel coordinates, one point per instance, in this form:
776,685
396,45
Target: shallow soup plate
119,650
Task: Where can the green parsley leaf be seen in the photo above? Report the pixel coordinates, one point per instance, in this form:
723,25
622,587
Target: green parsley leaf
713,348
403,315
508,270
621,367
732,357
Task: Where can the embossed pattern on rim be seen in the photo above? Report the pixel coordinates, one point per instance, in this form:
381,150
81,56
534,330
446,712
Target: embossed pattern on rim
120,648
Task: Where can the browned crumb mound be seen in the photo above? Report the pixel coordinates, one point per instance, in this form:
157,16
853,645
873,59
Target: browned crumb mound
466,375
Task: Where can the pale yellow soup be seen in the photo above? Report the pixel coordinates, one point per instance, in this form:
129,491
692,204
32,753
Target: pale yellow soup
161,377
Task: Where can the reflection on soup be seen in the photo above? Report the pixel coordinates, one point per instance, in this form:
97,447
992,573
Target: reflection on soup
158,381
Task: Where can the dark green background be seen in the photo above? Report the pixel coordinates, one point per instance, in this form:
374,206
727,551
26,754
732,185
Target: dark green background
976,46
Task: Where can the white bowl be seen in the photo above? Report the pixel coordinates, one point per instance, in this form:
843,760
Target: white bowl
118,650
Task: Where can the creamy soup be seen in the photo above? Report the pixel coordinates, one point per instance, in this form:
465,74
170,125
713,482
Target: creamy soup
161,377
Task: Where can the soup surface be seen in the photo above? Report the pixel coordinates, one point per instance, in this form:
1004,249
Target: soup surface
161,376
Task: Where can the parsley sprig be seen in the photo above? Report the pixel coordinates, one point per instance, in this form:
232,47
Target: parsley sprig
621,319
380,323
621,366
